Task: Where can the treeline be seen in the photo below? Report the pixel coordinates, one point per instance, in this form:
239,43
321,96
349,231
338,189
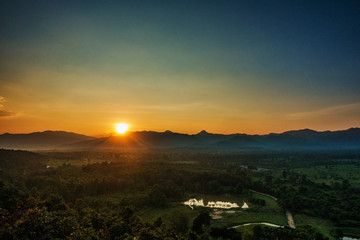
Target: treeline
150,180
339,202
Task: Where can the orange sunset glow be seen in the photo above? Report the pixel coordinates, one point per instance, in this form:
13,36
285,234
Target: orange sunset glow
176,69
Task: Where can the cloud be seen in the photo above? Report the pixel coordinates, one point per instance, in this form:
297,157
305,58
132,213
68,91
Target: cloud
340,111
3,112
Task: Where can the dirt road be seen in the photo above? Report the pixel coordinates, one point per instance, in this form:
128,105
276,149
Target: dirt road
290,219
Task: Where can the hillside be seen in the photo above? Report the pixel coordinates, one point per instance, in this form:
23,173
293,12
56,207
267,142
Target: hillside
40,140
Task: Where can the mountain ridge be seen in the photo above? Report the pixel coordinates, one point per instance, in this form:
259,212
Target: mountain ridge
305,139
46,139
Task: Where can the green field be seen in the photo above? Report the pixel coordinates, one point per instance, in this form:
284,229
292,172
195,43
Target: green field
270,204
253,217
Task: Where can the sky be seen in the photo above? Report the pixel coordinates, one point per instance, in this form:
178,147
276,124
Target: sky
224,66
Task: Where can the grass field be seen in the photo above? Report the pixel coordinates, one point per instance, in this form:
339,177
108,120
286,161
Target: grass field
253,217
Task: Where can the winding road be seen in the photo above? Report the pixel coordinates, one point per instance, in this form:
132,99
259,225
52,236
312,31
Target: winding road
264,194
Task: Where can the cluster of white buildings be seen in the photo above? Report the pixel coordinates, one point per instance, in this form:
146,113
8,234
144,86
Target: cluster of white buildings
218,204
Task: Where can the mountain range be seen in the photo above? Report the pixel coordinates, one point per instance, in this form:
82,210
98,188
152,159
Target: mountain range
305,139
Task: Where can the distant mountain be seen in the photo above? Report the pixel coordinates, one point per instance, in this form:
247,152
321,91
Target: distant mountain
303,132
211,138
205,133
144,139
292,140
40,140
343,139
305,139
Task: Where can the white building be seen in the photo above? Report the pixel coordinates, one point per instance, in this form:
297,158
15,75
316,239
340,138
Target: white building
218,204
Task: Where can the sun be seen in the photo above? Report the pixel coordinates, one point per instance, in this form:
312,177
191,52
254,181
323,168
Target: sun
121,128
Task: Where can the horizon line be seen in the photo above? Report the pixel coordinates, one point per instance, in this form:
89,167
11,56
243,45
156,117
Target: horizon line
114,133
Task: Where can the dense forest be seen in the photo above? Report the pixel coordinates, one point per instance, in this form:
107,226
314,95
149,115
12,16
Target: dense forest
108,195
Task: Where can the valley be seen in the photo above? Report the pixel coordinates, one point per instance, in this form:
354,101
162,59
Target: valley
153,185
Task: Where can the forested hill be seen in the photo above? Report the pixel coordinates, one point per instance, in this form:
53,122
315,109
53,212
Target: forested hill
40,140
305,139
10,159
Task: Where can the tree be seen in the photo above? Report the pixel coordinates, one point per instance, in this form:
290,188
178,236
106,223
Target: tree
9,196
202,219
246,235
158,222
157,197
258,232
268,179
179,221
345,184
55,203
